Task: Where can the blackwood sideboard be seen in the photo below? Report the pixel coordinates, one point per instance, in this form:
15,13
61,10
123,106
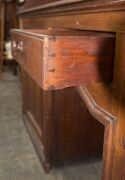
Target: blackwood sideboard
71,55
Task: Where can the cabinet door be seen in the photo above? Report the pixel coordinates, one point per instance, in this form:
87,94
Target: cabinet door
59,124
1,35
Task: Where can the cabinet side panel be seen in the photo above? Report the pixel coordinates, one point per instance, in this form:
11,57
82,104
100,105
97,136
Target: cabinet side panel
78,134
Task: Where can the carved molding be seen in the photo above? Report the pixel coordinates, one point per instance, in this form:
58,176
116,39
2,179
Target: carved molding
97,111
72,7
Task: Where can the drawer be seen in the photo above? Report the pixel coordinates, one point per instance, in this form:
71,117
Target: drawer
57,59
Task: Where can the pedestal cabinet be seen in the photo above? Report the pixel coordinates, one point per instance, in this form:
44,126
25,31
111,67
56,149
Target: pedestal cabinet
55,122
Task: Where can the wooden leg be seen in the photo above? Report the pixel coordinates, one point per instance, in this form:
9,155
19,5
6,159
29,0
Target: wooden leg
107,119
114,139
118,109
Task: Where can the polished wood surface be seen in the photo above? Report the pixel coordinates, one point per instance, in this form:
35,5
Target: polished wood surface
118,109
64,57
70,6
60,126
100,21
105,102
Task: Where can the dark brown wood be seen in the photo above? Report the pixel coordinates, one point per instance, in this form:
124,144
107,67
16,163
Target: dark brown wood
104,102
103,21
65,58
70,6
118,109
96,107
57,122
111,104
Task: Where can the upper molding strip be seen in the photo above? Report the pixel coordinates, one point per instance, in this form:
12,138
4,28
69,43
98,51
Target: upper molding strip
73,6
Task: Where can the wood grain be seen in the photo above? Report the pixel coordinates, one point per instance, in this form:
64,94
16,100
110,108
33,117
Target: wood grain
69,6
61,125
63,60
100,21
105,102
118,108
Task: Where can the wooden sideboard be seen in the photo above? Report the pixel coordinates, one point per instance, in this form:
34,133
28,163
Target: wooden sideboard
87,120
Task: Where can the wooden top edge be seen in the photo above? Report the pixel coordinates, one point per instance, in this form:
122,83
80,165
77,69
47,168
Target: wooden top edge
73,6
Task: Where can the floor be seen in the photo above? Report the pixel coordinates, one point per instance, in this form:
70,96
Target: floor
18,159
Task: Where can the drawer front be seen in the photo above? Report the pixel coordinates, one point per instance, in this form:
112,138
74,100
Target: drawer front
27,51
60,61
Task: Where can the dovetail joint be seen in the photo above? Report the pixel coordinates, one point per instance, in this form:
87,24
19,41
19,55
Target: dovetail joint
52,70
52,55
52,38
